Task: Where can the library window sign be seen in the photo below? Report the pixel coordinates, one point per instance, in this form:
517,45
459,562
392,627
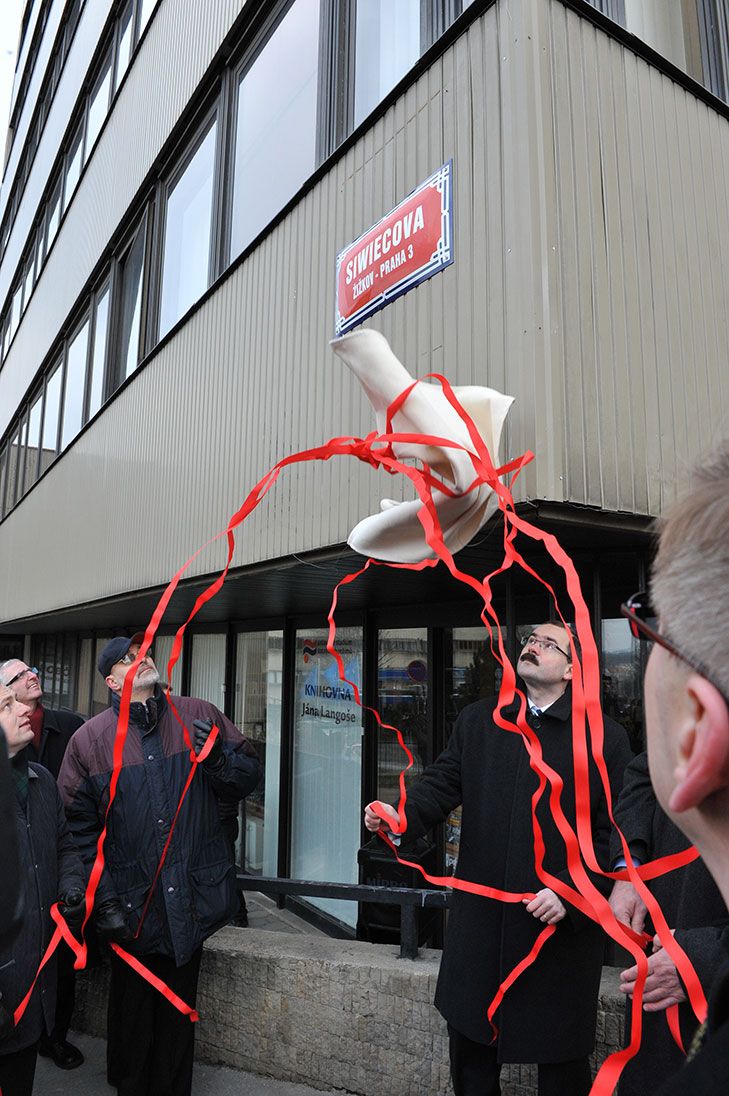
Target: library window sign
409,244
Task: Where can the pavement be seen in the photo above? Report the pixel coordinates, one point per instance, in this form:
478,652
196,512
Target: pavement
90,1078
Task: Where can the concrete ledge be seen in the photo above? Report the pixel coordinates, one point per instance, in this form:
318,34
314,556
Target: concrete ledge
331,1014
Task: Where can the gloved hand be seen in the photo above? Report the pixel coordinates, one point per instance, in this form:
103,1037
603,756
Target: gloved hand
111,924
215,760
72,905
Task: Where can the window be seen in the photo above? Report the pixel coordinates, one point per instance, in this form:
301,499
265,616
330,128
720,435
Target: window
146,8
73,393
387,44
275,142
98,106
124,49
13,467
17,302
188,232
130,276
98,353
73,171
327,764
50,417
54,217
33,445
258,677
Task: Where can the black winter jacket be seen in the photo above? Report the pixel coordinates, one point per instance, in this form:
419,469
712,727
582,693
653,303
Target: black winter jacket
690,901
49,868
195,893
549,1013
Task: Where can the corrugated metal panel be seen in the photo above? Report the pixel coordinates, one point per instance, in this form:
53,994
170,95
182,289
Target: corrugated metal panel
642,199
590,225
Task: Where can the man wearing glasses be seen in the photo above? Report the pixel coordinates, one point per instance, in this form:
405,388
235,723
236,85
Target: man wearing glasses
548,1015
52,729
169,879
687,713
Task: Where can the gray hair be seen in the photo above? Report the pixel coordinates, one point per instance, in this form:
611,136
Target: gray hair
690,583
3,667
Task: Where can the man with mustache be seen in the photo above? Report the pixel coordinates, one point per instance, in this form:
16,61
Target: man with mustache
162,918
548,1015
52,730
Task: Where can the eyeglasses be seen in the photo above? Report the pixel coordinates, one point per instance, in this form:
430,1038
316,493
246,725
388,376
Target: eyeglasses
638,611
130,658
23,673
544,645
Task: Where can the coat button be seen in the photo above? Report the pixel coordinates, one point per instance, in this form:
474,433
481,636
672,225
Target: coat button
170,890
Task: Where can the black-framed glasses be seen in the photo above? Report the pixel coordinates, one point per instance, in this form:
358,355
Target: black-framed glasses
638,611
544,645
23,673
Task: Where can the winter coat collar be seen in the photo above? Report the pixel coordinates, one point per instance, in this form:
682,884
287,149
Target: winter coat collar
143,714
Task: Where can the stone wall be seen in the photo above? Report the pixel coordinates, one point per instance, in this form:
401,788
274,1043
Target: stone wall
331,1014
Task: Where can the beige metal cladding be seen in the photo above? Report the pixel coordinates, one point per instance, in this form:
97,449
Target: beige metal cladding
591,208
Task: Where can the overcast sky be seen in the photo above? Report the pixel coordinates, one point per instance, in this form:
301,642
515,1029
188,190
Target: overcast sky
10,16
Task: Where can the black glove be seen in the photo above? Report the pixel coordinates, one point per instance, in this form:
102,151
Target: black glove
7,1021
111,924
215,760
73,907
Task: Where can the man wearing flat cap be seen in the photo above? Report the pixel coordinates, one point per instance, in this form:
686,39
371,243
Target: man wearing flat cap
160,914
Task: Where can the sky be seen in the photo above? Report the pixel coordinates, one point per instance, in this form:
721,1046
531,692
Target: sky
10,15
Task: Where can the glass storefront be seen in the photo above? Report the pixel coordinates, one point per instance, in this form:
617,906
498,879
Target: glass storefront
327,764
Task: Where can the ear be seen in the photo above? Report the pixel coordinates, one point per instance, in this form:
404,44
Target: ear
703,746
113,684
567,675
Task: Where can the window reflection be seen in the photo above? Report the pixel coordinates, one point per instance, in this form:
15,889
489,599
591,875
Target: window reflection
187,235
98,354
73,397
74,165
258,683
387,44
50,418
98,108
402,699
33,446
275,145
130,304
125,44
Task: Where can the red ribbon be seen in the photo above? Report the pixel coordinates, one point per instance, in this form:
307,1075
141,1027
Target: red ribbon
378,451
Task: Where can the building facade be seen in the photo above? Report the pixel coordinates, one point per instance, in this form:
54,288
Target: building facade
179,178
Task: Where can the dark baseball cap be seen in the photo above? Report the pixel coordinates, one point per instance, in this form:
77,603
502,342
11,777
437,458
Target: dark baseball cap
116,649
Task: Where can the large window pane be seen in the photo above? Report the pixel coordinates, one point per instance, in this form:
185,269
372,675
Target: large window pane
275,147
54,216
402,688
131,268
325,832
162,653
13,467
207,668
146,9
73,171
125,44
33,445
98,108
73,398
98,354
258,680
187,235
50,417
387,45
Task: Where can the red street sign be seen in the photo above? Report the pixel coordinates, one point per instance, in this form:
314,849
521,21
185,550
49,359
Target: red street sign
411,243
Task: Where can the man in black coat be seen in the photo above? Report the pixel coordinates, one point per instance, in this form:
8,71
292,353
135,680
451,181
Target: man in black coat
52,729
548,1015
694,909
687,716
50,870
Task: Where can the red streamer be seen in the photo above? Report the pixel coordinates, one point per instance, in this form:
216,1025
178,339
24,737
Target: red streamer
377,451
